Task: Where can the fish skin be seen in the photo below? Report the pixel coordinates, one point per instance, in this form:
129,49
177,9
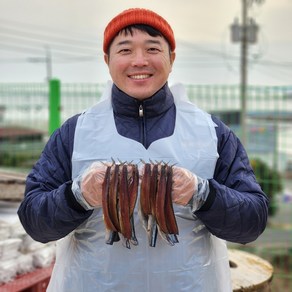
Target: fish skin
124,209
169,211
105,201
113,197
145,190
160,200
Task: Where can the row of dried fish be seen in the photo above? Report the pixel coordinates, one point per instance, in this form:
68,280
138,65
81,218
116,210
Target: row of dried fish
156,208
119,196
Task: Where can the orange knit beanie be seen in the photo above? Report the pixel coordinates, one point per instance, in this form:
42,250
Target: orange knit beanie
137,16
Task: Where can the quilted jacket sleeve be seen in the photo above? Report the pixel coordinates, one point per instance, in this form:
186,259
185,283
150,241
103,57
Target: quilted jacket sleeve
236,209
49,210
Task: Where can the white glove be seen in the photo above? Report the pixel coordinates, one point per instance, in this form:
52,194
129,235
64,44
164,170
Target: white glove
87,188
189,188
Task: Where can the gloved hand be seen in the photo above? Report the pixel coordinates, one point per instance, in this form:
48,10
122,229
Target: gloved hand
189,188
87,188
91,184
184,185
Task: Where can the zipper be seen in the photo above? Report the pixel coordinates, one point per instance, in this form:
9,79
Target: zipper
141,111
142,125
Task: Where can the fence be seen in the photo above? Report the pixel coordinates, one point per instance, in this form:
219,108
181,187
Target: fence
24,129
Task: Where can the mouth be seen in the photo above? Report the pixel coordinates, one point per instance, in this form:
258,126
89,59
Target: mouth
140,76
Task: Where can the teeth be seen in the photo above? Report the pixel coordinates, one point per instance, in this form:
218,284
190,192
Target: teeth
140,76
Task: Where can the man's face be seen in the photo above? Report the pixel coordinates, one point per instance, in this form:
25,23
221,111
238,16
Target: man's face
139,64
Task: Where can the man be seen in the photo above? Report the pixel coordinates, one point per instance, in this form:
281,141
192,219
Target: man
215,194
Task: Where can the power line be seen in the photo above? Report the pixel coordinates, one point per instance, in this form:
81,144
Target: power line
65,45
40,30
196,47
15,40
30,39
219,54
61,56
20,49
22,34
38,48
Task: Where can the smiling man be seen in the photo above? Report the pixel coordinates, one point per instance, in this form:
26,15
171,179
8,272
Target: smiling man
214,194
139,58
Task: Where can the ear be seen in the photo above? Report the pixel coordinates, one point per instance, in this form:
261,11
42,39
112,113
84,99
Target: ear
172,57
106,58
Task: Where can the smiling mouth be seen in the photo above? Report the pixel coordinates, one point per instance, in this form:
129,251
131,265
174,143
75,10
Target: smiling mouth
140,76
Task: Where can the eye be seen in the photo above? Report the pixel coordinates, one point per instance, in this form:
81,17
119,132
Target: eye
124,51
153,50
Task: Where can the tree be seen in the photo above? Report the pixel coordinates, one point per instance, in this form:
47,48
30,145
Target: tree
270,181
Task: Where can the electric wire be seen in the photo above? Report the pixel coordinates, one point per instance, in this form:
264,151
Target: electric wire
67,47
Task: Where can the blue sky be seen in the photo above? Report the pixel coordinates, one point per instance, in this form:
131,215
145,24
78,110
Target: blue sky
71,31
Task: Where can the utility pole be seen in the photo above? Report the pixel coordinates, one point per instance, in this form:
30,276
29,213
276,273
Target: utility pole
245,33
243,78
48,61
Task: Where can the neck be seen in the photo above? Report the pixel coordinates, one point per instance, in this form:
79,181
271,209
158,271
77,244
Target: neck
127,105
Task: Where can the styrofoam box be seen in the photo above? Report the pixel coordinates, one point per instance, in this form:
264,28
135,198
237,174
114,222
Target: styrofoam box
9,248
8,270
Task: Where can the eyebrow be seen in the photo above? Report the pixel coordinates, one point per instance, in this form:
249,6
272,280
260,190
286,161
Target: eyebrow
127,42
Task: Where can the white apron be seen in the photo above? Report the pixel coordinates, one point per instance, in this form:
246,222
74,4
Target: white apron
199,262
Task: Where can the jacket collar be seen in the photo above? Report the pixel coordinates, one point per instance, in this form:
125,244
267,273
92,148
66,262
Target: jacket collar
155,105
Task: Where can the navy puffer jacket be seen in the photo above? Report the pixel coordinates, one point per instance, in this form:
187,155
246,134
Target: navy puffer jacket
236,209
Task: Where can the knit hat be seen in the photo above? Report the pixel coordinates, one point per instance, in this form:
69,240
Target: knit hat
137,16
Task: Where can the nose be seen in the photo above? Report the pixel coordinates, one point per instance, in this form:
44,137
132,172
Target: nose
140,59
